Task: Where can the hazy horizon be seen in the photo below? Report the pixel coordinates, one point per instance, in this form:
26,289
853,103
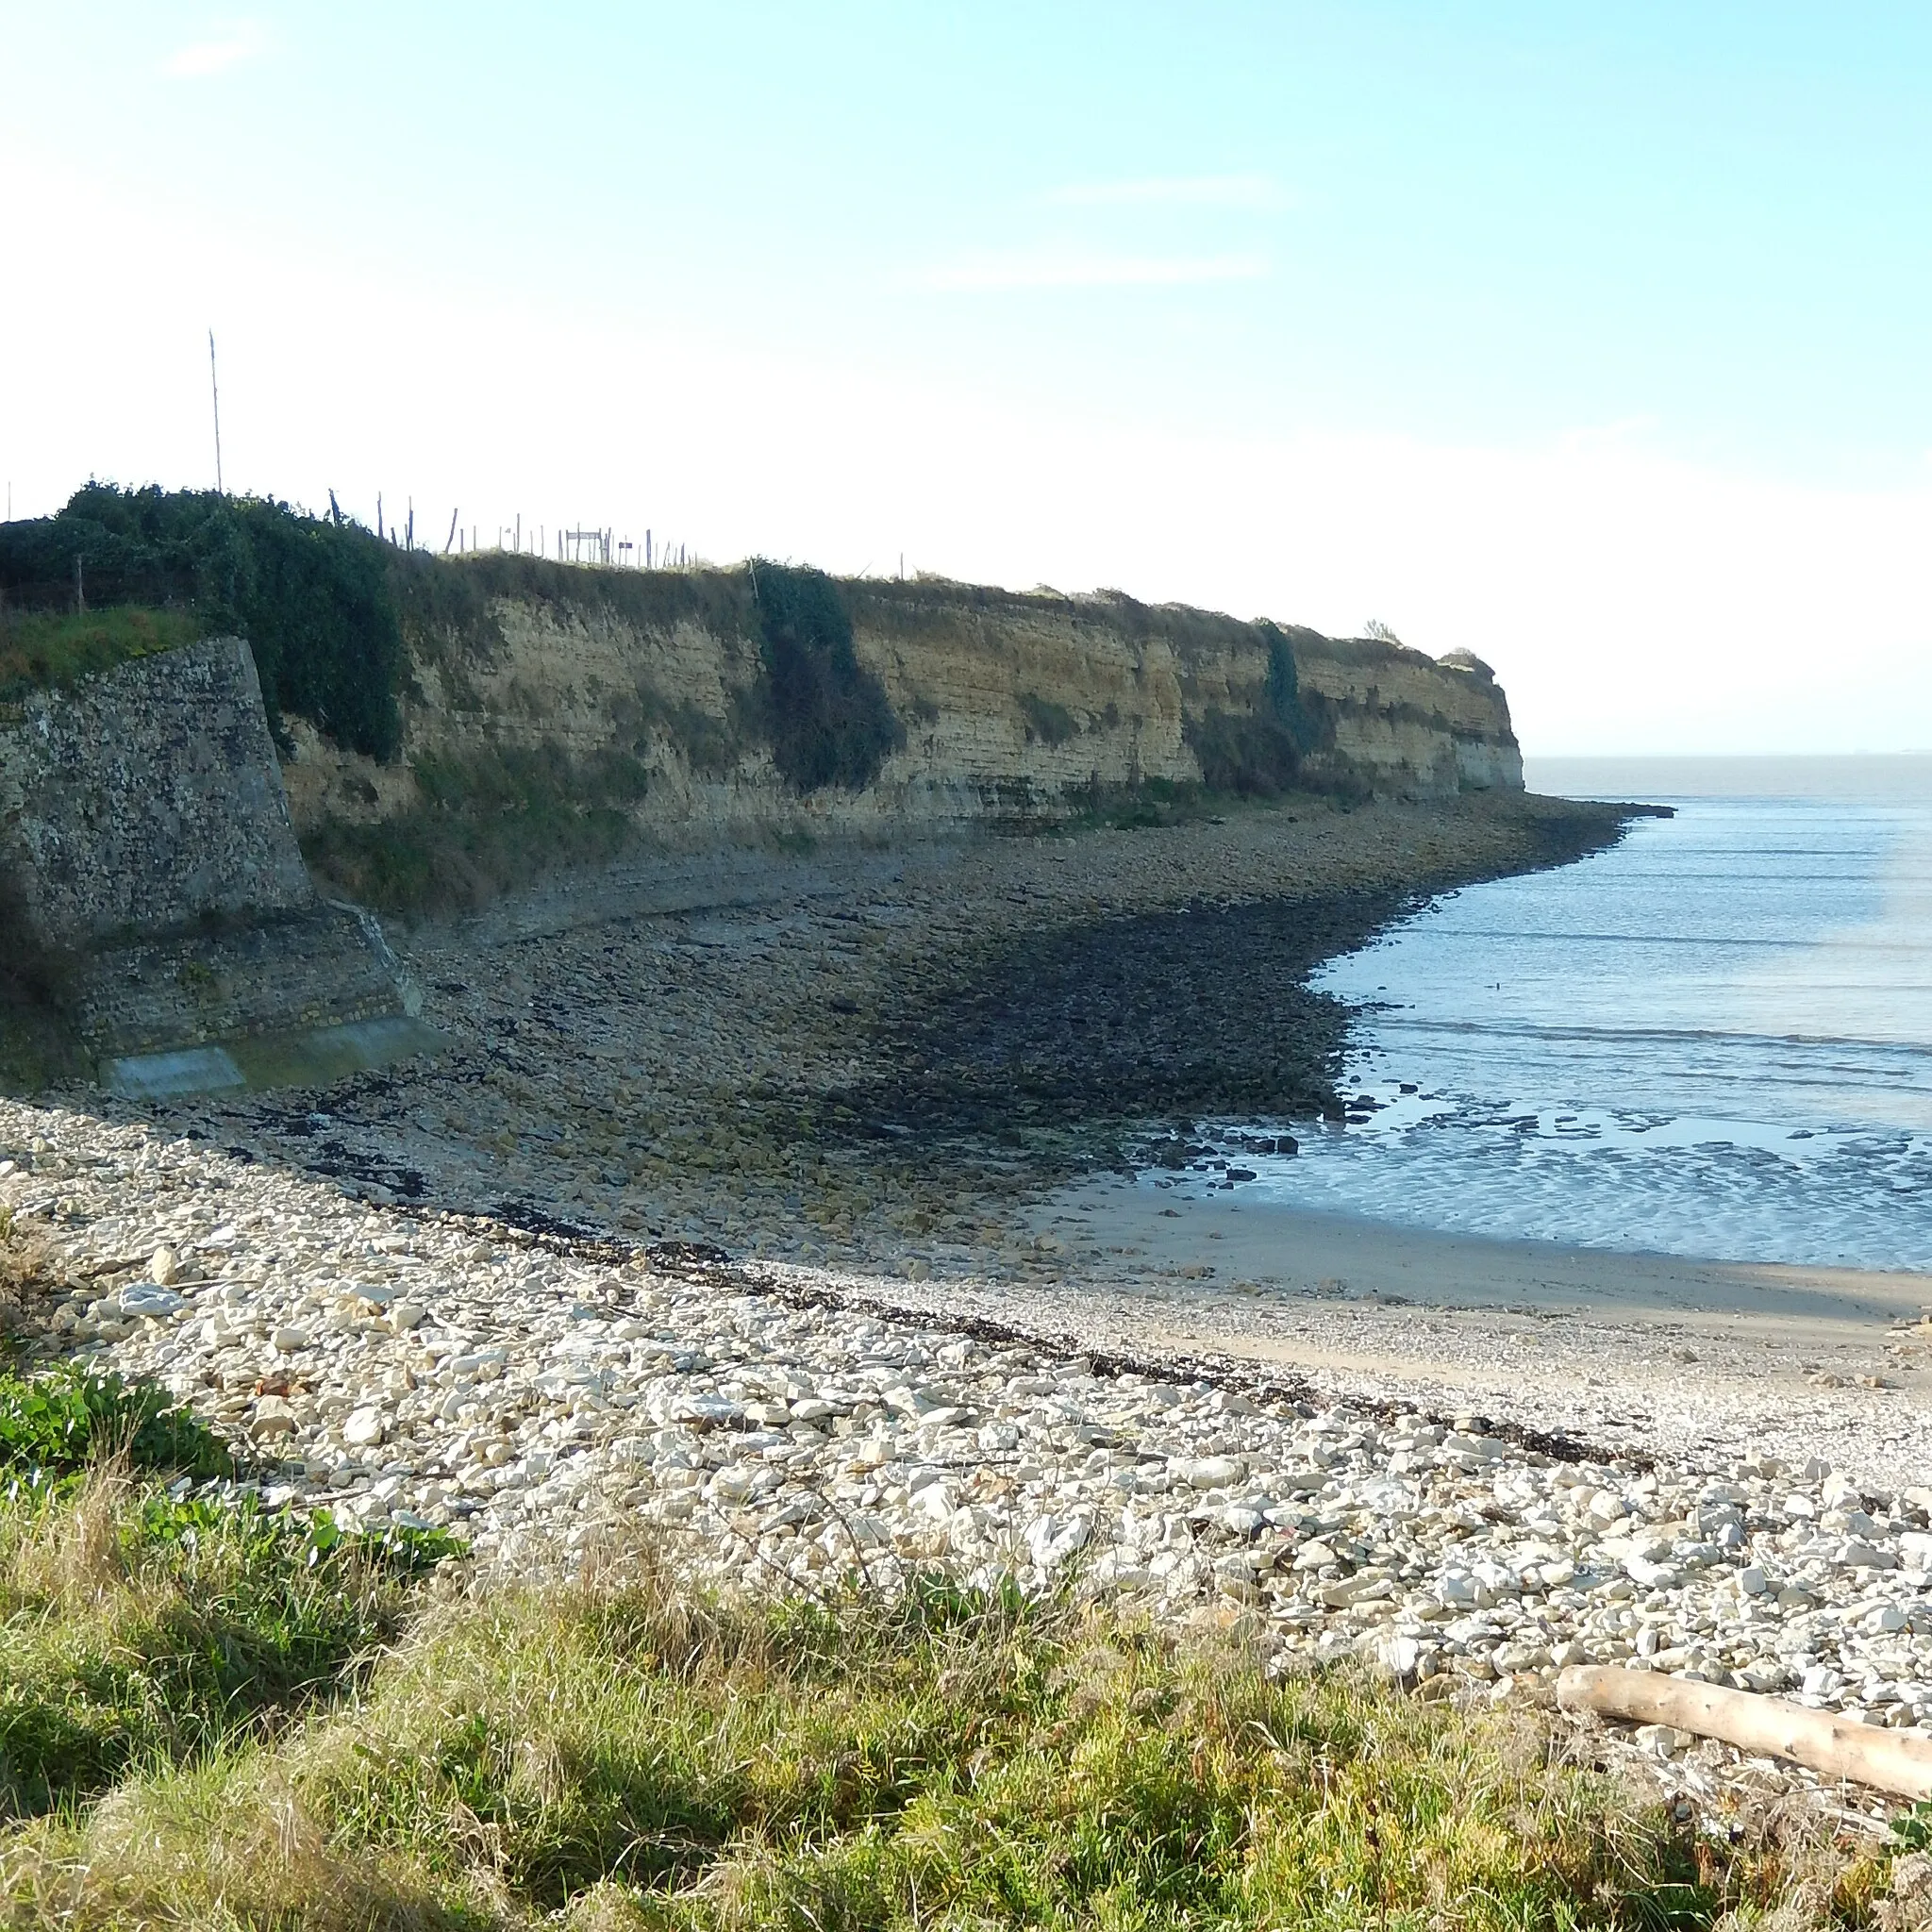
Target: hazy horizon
1587,344
1868,775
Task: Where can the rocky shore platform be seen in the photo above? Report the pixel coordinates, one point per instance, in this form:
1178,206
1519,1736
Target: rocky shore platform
870,1056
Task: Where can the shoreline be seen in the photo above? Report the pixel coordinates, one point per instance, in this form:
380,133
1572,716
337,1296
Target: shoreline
800,1429
745,1037
741,1030
870,1056
1669,1354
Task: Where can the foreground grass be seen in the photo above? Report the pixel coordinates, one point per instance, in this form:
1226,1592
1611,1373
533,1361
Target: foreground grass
137,1632
56,650
629,1755
143,1626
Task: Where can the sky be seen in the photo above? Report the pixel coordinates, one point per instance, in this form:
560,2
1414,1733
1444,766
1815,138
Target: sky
1590,339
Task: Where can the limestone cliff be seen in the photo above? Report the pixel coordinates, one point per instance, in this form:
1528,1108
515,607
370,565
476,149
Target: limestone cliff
1007,703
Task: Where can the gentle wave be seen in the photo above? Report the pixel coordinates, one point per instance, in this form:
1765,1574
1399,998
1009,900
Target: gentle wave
1397,1021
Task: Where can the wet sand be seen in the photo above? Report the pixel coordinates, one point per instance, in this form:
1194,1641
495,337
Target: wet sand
1658,1351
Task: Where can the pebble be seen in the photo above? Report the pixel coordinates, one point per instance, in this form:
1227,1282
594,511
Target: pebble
402,1368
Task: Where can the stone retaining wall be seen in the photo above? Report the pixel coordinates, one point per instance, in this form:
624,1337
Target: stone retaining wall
321,967
148,800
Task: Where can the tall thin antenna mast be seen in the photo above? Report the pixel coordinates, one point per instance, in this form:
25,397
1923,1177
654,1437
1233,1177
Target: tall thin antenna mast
215,390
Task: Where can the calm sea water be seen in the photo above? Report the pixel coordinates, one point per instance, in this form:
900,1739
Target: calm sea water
1714,1041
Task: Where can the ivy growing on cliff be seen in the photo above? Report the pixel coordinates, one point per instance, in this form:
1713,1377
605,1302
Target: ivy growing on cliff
1256,753
828,718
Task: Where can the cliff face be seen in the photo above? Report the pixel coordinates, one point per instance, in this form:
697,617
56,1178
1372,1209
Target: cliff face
1409,723
1007,705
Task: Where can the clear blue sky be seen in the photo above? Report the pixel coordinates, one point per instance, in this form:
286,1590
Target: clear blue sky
1550,330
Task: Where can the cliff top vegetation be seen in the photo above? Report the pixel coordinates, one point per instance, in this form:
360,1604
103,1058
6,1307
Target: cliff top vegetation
44,650
311,594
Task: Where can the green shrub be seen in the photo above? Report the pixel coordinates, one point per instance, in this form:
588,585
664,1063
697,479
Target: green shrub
712,745
61,1420
490,822
312,596
1243,752
1257,754
828,716
1046,722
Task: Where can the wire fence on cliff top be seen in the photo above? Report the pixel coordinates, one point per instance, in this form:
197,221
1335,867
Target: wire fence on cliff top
89,588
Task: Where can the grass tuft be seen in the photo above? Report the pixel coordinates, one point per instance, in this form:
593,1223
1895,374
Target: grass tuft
141,1632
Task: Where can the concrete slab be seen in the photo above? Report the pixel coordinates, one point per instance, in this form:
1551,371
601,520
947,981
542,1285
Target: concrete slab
168,1076
310,1056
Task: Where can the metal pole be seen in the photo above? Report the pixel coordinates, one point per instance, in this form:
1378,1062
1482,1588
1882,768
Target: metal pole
215,391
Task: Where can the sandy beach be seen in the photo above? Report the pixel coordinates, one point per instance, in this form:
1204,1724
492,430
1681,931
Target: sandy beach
1649,1350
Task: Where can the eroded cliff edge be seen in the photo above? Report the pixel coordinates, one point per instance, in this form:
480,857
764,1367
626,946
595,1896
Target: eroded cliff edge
651,695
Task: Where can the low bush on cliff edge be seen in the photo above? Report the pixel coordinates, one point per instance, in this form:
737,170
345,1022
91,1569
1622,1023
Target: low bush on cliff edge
634,1755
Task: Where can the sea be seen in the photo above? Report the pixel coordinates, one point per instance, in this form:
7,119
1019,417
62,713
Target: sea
1713,1040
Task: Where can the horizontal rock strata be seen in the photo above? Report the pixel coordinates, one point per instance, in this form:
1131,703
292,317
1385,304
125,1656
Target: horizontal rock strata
1008,704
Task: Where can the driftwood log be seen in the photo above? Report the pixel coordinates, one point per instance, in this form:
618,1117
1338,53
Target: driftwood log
1896,1761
